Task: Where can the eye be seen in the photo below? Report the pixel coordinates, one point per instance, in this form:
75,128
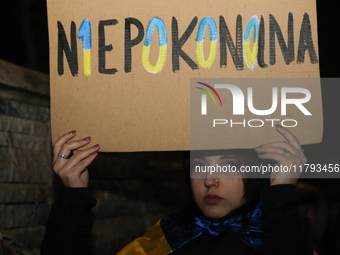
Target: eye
198,165
232,164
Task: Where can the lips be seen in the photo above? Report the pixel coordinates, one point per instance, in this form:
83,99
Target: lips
212,199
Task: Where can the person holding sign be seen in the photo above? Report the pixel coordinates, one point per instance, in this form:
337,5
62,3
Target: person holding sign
226,215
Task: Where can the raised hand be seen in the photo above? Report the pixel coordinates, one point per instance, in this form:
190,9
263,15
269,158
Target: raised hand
287,154
70,163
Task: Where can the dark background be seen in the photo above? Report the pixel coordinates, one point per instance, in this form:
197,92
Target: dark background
24,41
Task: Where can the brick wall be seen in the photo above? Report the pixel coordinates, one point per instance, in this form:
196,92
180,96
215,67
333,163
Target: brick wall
25,154
133,190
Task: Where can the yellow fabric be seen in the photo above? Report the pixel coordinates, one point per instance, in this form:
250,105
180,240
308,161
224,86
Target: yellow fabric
152,243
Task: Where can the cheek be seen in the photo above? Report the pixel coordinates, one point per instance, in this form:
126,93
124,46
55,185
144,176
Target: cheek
194,186
237,191
197,188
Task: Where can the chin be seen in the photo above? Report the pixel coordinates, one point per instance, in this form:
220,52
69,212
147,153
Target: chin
215,213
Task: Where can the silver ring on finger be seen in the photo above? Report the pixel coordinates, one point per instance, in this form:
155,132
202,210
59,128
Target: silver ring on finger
302,150
285,151
63,156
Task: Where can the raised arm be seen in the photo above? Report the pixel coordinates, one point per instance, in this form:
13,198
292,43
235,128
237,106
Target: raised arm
284,231
68,228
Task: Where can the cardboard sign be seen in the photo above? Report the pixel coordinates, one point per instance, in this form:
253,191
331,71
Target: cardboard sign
120,71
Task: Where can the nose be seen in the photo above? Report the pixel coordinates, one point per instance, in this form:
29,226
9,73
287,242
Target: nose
210,182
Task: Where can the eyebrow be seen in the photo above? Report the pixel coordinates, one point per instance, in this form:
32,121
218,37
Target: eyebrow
228,156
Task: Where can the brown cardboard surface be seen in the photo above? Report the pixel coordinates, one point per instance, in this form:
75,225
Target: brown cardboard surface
142,111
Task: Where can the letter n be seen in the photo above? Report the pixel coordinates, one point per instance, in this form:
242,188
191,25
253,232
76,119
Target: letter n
70,53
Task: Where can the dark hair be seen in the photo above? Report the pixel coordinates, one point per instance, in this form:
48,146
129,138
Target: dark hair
252,190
